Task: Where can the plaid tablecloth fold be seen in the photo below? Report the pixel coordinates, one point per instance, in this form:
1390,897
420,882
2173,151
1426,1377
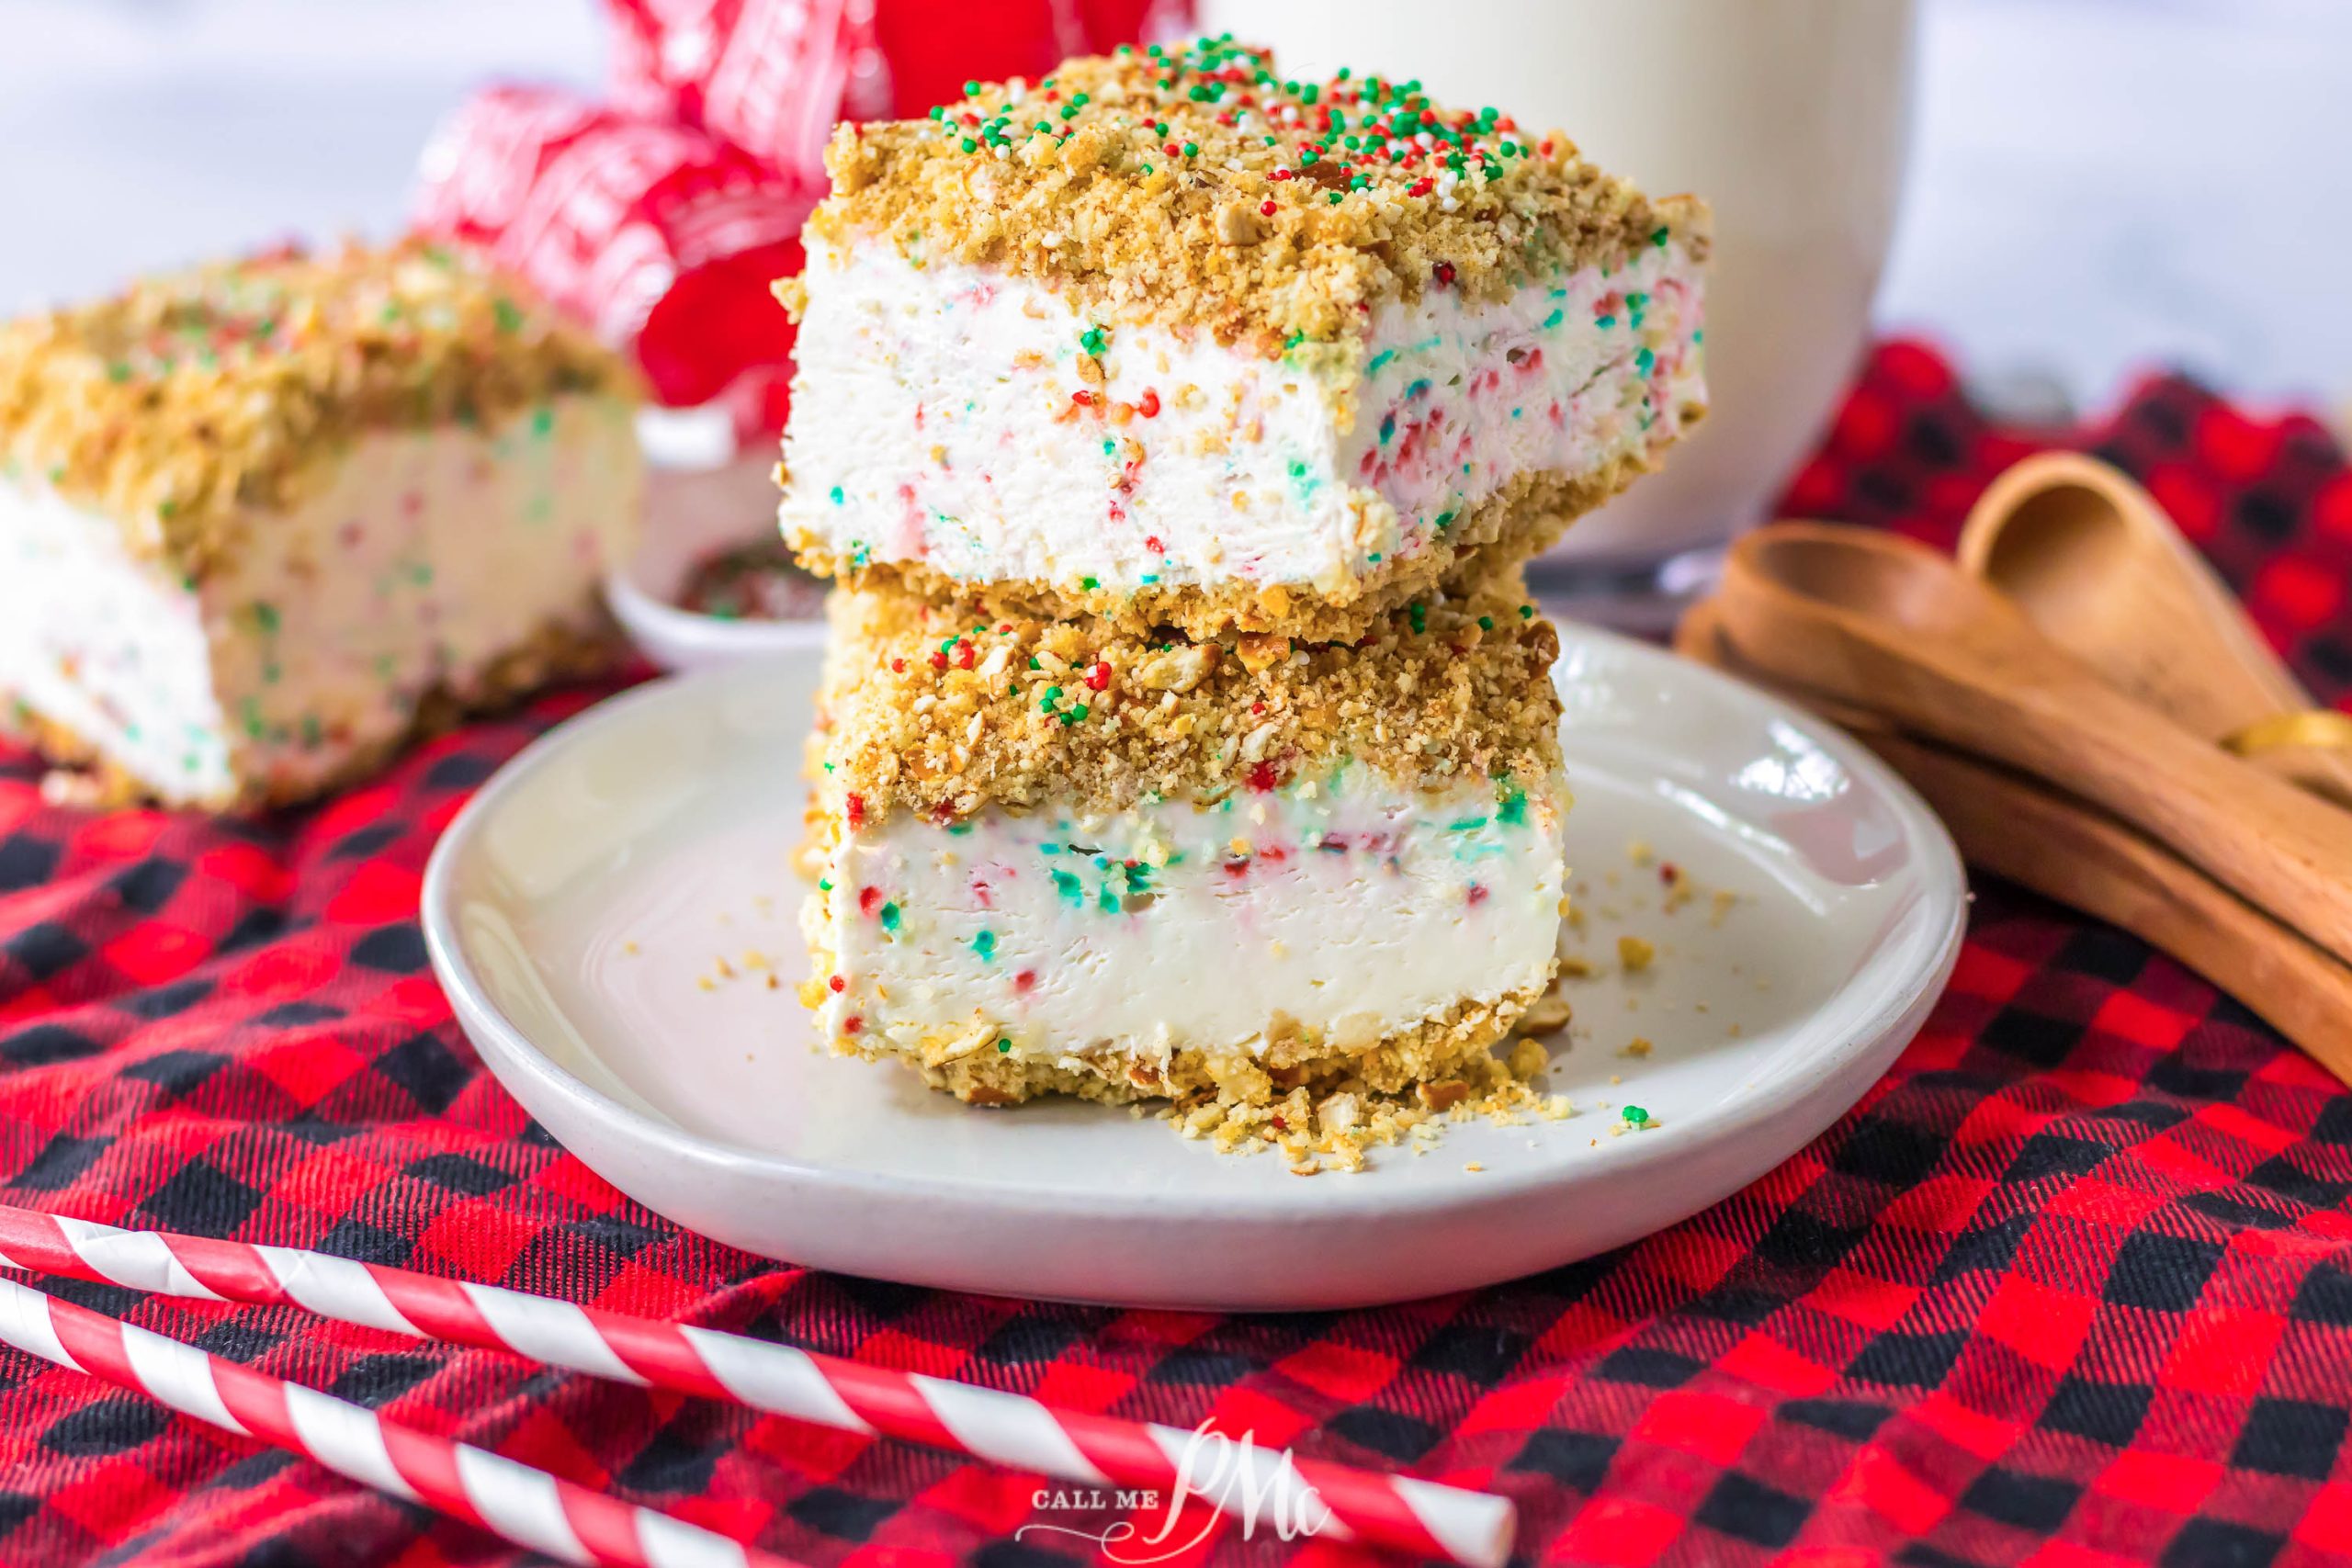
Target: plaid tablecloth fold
2073,1285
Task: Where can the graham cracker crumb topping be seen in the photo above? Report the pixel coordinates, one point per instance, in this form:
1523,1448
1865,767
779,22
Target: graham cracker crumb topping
939,709
1198,183
188,397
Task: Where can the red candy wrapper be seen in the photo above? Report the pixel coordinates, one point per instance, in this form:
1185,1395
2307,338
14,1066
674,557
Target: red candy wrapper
772,76
661,236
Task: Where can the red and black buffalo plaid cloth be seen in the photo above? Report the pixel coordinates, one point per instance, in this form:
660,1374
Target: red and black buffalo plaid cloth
2073,1285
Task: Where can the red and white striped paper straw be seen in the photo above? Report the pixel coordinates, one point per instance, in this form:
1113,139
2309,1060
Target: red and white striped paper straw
1263,1488
527,1507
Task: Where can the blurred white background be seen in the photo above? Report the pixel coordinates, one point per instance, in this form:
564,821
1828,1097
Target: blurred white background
2098,186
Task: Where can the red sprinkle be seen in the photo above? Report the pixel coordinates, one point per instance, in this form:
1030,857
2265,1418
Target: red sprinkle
1282,174
1148,404
1083,399
1262,776
1151,542
857,811
852,1024
838,984
1477,893
939,662
1025,981
1266,207
898,667
1098,677
867,898
964,654
1421,187
1445,273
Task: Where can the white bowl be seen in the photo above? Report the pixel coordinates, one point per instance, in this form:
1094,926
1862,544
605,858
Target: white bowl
576,908
691,514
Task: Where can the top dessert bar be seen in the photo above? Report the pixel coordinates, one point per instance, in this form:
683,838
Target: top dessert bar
1167,338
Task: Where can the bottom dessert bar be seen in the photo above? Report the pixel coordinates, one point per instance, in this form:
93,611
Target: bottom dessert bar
1054,858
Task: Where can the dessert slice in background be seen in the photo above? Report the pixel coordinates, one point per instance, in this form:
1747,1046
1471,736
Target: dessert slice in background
1168,338
260,520
1055,857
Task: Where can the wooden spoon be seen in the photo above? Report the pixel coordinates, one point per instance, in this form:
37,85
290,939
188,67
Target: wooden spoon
2094,563
1876,620
2081,857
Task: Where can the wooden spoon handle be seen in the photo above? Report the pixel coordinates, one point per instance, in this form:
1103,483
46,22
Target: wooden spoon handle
2080,857
1963,667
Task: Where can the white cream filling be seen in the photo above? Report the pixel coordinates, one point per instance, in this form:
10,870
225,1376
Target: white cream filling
1355,909
938,417
420,558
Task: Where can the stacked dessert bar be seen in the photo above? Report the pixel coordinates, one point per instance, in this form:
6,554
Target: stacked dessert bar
1176,431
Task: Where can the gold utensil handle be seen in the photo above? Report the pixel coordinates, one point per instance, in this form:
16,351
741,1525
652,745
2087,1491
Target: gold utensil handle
2311,728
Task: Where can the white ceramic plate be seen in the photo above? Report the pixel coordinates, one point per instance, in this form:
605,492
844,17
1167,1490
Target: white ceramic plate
578,909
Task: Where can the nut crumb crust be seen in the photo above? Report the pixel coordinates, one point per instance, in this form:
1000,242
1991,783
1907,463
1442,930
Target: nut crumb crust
942,709
1199,185
190,401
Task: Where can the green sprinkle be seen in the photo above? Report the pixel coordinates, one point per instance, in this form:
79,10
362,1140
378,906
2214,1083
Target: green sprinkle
1527,612
1004,1045
985,945
1419,613
1094,340
1192,149
890,917
969,145
1635,1115
265,615
837,495
1090,584
1513,810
